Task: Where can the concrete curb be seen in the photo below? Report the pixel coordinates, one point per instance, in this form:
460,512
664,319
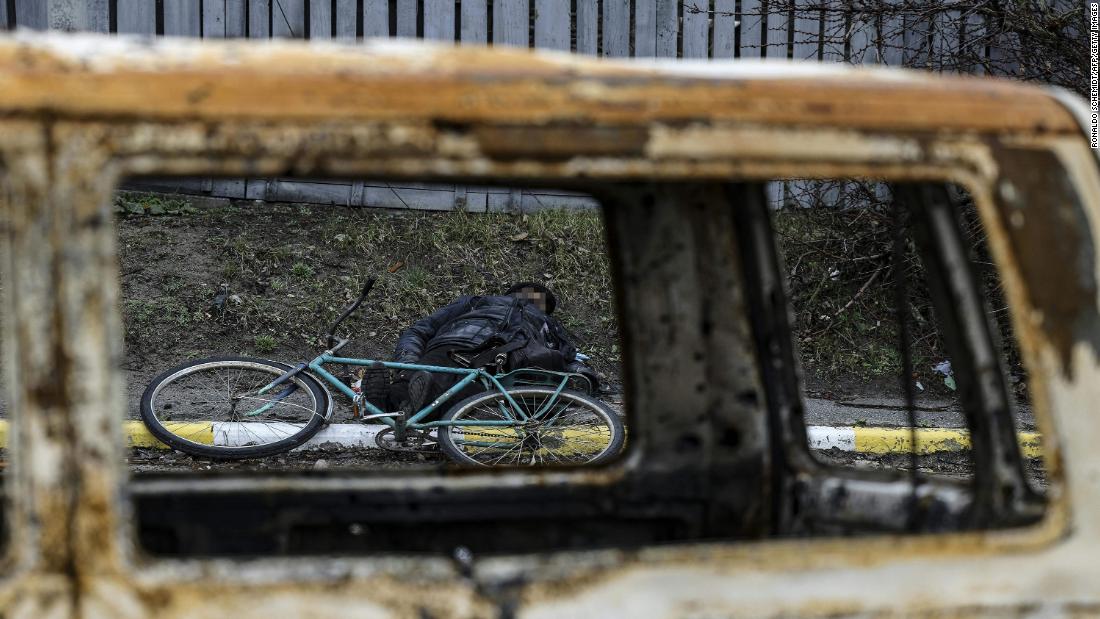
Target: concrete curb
869,440
349,435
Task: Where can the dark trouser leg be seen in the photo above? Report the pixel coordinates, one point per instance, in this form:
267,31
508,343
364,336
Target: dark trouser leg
440,382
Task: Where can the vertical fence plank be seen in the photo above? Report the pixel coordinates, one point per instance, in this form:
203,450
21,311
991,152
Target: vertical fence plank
862,38
406,18
645,28
259,19
807,39
778,23
134,17
587,28
181,18
750,29
1000,60
236,18
320,19
725,26
834,33
695,22
773,44
31,14
99,16
475,21
945,40
288,18
916,36
346,19
668,28
552,24
807,30
510,22
70,15
616,28
972,44
439,20
376,18
213,19
891,39
835,30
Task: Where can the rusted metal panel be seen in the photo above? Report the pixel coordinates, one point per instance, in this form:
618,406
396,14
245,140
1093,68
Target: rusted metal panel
217,82
71,553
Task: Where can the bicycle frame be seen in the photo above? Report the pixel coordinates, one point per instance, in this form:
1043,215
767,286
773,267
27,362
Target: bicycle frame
400,424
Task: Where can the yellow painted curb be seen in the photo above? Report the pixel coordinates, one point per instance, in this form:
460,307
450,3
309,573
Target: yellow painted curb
137,435
931,440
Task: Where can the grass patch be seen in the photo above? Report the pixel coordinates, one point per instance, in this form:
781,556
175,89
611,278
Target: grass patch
140,203
281,291
265,343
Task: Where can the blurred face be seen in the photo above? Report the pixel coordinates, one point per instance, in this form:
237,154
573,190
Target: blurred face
534,296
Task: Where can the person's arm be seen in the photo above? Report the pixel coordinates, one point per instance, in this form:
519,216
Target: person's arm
575,362
410,346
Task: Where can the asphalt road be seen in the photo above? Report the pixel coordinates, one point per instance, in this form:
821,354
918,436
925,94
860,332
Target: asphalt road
891,412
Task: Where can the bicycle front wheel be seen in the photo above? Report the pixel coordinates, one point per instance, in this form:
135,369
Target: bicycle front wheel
571,429
213,408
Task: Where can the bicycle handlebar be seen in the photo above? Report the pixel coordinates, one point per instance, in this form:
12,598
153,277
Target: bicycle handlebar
354,306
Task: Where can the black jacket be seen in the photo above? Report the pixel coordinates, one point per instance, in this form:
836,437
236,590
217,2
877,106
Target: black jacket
472,323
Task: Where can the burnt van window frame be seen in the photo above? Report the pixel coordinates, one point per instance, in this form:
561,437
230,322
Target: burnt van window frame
798,494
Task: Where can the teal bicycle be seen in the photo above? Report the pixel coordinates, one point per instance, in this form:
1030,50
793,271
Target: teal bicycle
242,407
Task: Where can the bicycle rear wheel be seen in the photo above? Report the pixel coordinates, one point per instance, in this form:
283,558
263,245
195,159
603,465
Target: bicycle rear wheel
212,408
575,429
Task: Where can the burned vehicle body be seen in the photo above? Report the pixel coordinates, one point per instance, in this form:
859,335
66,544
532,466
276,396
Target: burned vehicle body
716,465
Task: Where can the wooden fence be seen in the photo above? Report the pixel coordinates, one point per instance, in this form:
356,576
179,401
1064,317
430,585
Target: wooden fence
823,30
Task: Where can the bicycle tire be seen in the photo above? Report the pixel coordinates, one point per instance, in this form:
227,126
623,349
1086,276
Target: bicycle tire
453,446
287,435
